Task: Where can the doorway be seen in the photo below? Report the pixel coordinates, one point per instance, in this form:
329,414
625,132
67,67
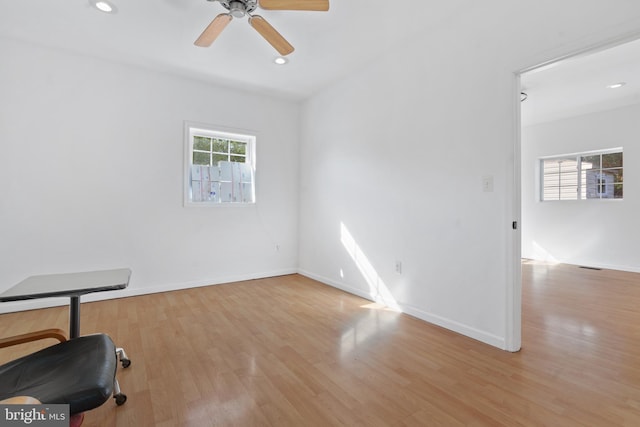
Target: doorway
576,106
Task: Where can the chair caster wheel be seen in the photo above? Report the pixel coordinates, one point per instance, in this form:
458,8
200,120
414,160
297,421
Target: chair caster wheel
120,398
125,363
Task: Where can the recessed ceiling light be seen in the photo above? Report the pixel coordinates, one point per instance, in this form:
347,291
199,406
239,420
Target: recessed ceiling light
280,60
103,6
616,85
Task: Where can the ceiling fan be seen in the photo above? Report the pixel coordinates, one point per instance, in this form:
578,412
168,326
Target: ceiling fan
240,8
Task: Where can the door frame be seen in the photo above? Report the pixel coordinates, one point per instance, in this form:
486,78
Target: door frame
513,324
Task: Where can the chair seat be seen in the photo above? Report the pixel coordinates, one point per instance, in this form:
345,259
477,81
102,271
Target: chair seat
79,372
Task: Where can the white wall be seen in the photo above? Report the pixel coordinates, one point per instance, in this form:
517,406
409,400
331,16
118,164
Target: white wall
595,233
394,155
91,175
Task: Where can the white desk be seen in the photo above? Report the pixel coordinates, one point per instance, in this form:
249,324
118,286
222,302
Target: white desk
73,285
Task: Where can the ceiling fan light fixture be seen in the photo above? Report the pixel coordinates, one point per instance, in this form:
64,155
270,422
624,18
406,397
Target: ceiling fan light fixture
280,60
237,9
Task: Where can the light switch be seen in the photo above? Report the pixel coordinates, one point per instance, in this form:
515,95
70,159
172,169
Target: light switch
487,183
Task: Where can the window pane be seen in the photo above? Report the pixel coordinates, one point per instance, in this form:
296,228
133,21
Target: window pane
560,165
569,179
612,160
600,185
615,173
201,143
617,191
567,193
219,158
201,159
238,147
551,194
560,179
594,184
239,159
591,162
220,145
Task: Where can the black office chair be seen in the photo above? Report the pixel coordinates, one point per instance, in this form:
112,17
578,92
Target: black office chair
80,372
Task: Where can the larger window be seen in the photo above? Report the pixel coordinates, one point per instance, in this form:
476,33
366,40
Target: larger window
591,175
219,166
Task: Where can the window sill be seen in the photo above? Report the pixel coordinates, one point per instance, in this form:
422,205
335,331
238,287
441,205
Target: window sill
218,205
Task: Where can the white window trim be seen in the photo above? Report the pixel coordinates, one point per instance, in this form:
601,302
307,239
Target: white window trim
242,135
577,155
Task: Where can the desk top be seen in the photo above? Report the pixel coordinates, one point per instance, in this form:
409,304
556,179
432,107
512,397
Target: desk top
67,284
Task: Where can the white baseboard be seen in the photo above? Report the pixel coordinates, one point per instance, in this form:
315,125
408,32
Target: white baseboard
10,307
341,286
626,268
617,267
452,325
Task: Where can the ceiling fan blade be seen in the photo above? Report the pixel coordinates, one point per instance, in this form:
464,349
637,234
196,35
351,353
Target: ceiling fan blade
271,35
318,5
213,30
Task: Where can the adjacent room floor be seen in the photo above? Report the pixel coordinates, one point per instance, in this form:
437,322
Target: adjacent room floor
289,351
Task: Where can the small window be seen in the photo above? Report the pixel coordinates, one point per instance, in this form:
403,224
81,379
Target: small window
593,175
219,166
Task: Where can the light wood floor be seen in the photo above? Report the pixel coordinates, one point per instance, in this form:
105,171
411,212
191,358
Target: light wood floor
289,351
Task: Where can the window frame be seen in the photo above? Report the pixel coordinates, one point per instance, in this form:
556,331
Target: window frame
581,174
192,129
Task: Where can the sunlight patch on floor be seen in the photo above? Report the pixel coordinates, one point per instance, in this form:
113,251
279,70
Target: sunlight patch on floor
379,306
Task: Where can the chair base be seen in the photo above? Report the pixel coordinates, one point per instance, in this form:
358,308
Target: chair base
120,397
122,356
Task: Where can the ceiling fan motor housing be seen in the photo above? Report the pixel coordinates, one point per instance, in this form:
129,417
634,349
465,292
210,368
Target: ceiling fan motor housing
239,8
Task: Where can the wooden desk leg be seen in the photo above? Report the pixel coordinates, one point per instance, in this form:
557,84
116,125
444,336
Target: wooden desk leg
74,317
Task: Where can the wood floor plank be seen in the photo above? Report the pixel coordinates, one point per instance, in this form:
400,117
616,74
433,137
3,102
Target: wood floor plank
289,351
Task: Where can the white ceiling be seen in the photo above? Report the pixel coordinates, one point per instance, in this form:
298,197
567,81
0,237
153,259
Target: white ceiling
578,85
159,34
